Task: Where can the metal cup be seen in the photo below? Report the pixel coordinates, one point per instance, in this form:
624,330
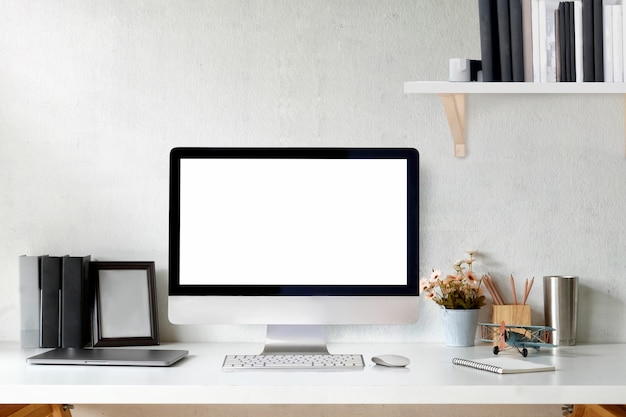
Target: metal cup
560,302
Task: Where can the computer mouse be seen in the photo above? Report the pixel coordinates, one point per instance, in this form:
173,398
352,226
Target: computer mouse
391,360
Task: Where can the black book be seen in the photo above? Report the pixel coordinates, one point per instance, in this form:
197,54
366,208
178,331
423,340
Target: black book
50,291
517,40
598,44
565,41
504,38
75,322
588,54
489,48
572,41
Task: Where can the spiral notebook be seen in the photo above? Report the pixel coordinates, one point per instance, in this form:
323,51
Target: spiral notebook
502,365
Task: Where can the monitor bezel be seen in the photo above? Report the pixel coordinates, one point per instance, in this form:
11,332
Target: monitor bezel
410,288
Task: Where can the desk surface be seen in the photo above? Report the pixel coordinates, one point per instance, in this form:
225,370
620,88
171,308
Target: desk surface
593,374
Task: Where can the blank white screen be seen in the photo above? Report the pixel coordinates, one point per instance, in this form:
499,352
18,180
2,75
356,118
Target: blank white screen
293,222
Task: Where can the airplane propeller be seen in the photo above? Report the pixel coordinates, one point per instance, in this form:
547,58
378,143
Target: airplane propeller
502,336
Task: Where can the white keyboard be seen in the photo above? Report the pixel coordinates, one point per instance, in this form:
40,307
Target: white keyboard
293,361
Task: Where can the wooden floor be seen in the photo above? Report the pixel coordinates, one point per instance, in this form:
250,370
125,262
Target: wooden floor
34,410
595,410
57,410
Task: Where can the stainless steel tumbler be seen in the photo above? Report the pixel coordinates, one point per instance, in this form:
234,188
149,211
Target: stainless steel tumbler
560,303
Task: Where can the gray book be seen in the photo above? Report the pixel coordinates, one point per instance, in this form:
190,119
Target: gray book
29,301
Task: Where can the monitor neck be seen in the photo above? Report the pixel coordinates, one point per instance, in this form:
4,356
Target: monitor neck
295,339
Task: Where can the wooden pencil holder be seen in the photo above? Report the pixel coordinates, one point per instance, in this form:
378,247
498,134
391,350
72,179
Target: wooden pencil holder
513,314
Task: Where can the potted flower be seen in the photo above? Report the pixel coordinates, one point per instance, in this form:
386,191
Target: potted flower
460,295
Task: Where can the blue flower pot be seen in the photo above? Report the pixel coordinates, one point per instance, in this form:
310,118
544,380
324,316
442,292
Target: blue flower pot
459,326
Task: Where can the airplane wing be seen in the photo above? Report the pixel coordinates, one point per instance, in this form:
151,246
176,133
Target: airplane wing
489,332
534,345
545,328
518,326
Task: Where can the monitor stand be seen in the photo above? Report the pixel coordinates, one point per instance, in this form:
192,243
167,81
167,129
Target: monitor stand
298,339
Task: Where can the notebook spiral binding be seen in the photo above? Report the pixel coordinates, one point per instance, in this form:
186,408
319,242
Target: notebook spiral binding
477,365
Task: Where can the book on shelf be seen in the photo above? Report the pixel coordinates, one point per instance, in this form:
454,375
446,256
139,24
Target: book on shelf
504,40
517,40
489,47
578,40
607,39
566,42
588,43
503,365
623,24
598,40
527,41
570,43
549,39
558,38
618,65
536,50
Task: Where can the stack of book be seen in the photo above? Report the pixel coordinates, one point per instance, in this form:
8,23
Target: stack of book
552,40
54,301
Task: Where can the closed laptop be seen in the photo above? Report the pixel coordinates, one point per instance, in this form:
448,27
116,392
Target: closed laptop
113,357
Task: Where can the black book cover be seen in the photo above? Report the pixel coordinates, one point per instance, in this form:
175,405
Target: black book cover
560,22
490,51
572,42
588,54
559,51
50,290
504,38
75,322
565,42
598,44
517,40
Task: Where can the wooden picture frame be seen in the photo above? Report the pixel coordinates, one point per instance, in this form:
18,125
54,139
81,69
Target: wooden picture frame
125,304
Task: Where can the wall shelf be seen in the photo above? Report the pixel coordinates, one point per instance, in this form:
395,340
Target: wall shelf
453,96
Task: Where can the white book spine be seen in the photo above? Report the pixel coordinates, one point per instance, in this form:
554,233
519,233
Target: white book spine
578,35
551,6
543,54
623,16
618,58
527,25
535,34
607,40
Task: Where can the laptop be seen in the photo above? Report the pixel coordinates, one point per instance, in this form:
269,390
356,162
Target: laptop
112,357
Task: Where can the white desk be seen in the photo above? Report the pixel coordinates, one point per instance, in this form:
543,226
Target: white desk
593,374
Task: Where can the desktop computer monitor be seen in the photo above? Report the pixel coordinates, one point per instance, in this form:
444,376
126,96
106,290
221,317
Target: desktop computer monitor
293,238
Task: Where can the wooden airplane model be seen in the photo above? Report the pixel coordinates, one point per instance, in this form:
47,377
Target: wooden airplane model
516,337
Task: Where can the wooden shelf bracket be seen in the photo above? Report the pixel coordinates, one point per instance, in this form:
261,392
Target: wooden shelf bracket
453,96
454,105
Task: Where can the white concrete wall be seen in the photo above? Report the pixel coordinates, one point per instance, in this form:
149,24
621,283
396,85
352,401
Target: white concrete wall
93,94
